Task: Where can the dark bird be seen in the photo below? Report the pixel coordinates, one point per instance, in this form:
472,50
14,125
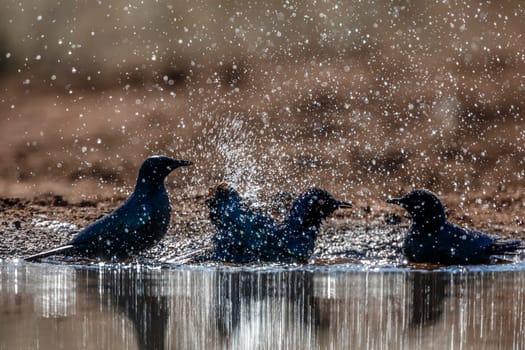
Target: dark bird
247,234
432,239
135,226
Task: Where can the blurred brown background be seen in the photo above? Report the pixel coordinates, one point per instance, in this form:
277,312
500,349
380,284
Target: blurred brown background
363,99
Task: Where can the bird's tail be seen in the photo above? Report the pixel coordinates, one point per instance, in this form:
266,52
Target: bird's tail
59,250
508,246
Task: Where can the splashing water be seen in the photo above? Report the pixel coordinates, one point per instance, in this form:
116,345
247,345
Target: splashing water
55,225
234,143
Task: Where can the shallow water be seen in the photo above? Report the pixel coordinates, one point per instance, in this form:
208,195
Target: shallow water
44,306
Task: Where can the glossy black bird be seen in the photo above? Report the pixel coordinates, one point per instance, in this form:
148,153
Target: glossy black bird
432,239
135,226
246,234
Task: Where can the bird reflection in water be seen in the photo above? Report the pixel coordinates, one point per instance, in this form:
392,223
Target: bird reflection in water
257,308
428,297
141,297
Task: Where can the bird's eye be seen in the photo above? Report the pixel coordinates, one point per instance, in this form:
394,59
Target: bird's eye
321,202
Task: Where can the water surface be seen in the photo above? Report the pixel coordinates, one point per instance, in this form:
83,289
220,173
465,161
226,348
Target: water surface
44,306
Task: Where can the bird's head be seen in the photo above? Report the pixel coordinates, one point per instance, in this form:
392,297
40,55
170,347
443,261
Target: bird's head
222,190
155,169
225,204
221,194
314,205
424,207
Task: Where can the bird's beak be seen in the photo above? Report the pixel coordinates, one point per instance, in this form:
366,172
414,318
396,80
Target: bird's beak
343,205
178,163
396,201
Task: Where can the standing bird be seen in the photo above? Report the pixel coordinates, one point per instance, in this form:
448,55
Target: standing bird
248,235
432,239
137,225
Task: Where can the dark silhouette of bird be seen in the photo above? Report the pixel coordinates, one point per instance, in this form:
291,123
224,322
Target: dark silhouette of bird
137,225
247,234
432,239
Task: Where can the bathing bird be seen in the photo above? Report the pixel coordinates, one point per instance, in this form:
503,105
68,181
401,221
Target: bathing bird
432,239
137,225
245,234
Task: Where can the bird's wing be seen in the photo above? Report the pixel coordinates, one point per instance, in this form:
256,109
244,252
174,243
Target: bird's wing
237,223
471,240
495,245
473,245
124,220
